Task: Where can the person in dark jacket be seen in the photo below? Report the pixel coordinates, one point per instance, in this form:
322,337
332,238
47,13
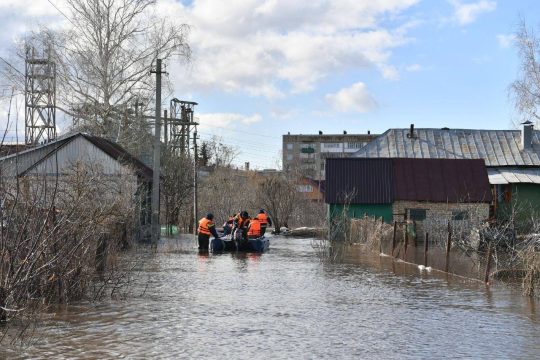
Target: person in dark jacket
206,229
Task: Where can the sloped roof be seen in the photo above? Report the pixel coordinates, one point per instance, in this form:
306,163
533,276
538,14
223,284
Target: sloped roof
383,181
25,161
496,147
499,176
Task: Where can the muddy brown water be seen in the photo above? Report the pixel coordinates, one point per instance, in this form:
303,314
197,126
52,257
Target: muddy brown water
286,304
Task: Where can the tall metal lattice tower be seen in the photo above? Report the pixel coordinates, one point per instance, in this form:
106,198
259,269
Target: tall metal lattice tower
40,98
181,123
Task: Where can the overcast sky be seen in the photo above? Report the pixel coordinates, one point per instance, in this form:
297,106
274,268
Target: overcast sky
263,68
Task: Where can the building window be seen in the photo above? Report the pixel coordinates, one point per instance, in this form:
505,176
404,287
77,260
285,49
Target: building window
307,148
322,165
355,145
304,188
289,157
504,193
417,214
289,146
331,145
460,215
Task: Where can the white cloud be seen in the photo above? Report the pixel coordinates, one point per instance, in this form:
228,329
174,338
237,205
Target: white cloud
505,41
353,98
272,48
264,48
226,120
466,13
413,68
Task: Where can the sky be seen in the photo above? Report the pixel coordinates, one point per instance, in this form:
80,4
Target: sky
261,69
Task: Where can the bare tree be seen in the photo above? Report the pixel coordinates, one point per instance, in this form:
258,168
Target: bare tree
103,62
176,187
278,195
526,89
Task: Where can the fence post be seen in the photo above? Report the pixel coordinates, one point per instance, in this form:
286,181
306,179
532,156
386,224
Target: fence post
488,264
426,249
406,243
448,245
394,238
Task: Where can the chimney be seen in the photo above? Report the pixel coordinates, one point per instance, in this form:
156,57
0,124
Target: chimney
411,135
246,166
344,132
320,132
368,132
526,135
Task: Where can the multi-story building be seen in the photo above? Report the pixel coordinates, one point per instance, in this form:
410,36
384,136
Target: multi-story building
307,154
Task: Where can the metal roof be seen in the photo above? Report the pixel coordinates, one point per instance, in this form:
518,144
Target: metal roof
496,147
383,181
499,176
23,162
359,181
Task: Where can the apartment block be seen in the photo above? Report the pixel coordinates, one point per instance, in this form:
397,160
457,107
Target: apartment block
307,154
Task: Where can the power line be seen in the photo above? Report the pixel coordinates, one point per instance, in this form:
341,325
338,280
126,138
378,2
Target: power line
60,11
246,132
11,66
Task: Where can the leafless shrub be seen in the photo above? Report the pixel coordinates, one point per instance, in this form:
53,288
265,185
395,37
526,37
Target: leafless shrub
370,231
60,238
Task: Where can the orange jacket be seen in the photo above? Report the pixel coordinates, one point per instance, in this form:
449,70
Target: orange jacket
205,225
254,230
263,218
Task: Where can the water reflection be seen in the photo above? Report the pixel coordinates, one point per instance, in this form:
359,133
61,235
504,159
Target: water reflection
287,304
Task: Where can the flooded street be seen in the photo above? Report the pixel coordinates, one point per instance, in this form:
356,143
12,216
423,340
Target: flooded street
287,304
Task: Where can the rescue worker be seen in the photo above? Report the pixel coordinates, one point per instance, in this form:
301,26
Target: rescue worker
254,228
264,220
206,228
227,227
241,223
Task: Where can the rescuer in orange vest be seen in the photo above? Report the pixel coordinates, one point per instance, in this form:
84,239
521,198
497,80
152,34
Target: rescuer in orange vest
206,228
264,220
241,223
254,229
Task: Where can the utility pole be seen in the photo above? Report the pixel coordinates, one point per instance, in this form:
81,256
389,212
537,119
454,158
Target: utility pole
165,127
156,229
195,199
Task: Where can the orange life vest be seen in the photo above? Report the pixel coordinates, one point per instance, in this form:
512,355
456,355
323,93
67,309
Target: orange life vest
204,226
263,218
254,228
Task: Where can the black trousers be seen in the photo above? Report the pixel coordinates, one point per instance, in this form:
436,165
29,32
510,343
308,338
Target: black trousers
204,241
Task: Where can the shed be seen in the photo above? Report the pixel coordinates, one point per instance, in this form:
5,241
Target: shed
408,189
56,158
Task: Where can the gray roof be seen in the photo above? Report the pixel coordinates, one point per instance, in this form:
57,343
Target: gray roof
21,163
497,147
506,175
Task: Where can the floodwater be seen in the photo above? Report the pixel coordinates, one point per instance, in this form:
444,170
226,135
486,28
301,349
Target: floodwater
286,304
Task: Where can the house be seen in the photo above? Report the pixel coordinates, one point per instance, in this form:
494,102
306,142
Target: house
310,189
397,189
59,158
512,158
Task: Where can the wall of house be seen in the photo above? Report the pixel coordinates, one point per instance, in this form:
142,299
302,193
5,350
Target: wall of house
522,204
462,216
358,210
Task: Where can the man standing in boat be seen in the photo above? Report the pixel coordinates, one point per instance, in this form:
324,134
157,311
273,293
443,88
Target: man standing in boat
206,228
264,220
241,224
